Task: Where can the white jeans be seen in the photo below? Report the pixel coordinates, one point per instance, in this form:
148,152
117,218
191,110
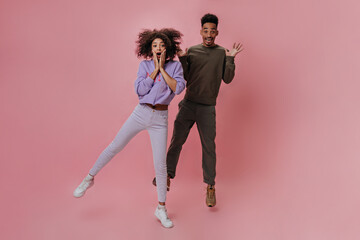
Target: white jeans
156,123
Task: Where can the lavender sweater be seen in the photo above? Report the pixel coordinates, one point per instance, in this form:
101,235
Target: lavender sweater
157,91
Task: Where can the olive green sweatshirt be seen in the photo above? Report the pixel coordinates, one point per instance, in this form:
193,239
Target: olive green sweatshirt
204,68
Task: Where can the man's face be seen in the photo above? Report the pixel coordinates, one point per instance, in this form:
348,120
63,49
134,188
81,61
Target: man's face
208,34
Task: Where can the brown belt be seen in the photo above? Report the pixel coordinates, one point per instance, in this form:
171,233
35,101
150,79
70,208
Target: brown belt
160,107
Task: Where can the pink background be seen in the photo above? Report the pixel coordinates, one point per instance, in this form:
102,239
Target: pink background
287,127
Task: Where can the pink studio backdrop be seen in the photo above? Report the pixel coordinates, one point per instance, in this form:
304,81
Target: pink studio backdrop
287,127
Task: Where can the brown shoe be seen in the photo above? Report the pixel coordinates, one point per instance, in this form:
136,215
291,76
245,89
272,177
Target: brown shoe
210,196
168,182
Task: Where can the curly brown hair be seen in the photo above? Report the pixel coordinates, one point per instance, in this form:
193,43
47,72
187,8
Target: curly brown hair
170,36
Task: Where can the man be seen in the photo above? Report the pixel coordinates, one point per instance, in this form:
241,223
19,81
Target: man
204,65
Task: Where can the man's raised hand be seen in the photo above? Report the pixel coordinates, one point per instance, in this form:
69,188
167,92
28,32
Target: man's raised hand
235,50
182,53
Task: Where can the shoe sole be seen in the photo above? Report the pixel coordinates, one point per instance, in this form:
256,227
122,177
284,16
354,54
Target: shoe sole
210,204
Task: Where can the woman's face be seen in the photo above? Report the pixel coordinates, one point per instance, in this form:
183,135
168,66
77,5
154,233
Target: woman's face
158,46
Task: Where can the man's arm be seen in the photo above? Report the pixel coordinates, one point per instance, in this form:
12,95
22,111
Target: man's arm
229,72
229,67
183,57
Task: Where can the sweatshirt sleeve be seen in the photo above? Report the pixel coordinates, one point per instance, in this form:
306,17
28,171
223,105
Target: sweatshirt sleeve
185,65
229,71
143,83
179,77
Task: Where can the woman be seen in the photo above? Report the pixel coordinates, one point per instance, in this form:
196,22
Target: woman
158,80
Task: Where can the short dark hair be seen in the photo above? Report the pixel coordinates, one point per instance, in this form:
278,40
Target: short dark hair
209,18
170,36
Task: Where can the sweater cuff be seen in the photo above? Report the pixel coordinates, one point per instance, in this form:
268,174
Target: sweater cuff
230,59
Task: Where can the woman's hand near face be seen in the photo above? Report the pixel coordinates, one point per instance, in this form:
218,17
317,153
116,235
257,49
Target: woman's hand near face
162,59
156,61
157,66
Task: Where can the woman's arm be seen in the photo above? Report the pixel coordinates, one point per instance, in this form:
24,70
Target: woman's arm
157,67
143,82
169,80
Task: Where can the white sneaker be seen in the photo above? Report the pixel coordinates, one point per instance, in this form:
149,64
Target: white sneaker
84,185
161,214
